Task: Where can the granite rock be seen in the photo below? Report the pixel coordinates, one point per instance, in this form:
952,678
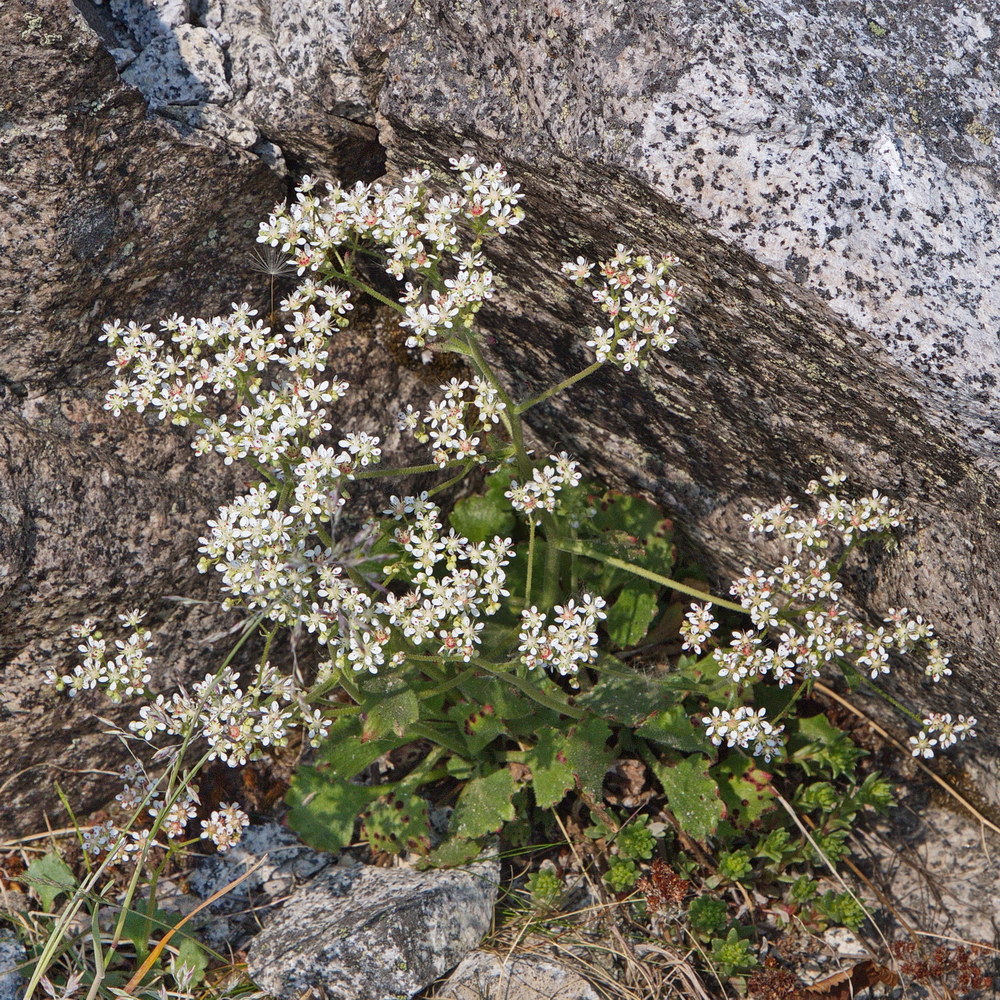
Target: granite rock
184,67
826,172
483,975
235,917
12,954
367,933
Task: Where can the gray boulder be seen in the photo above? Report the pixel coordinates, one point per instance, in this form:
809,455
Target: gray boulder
107,211
825,171
486,976
12,954
366,933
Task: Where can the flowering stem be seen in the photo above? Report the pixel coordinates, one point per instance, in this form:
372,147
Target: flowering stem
550,583
267,644
455,479
565,384
410,470
509,413
447,685
363,286
535,693
581,549
531,561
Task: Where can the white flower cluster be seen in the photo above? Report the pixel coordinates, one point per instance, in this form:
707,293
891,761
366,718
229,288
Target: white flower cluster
456,425
948,732
239,725
139,789
637,298
567,641
123,675
539,493
414,230
456,583
746,729
230,354
225,826
800,601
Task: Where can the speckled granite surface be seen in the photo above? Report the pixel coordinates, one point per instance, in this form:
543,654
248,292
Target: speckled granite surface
850,146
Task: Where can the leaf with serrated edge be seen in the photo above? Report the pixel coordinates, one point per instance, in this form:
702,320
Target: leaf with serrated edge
692,795
551,777
325,807
588,757
484,805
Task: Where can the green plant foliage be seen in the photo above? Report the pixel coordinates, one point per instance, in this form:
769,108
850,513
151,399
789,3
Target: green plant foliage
672,727
480,518
325,807
707,914
396,823
622,875
631,614
551,773
803,890
841,908
635,840
732,954
50,877
745,789
692,794
545,888
588,756
735,866
485,805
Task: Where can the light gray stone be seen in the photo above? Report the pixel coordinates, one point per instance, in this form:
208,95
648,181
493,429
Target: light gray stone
486,976
367,933
147,20
185,67
232,919
12,954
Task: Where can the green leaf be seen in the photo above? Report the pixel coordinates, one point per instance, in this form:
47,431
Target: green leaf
692,794
480,518
818,729
454,852
551,775
139,927
325,806
673,728
397,823
191,954
631,514
745,789
587,755
628,697
346,754
479,728
631,614
484,805
390,714
50,877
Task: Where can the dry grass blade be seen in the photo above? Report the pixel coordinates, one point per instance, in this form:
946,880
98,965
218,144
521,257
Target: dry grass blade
165,940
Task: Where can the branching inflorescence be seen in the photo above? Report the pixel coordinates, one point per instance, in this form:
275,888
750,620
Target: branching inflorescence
409,593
